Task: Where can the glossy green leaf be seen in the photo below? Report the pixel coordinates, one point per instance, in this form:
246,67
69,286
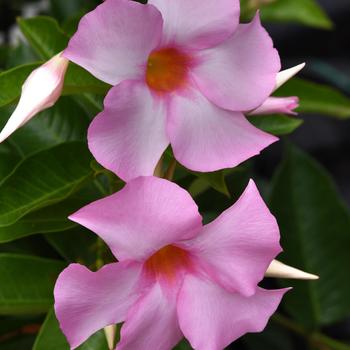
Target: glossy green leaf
51,337
306,12
48,39
47,220
11,82
9,158
44,35
84,249
27,283
276,124
215,180
78,80
315,226
43,179
317,98
64,122
54,219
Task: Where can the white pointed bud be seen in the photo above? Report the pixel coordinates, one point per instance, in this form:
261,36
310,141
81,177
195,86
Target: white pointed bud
40,91
280,270
284,75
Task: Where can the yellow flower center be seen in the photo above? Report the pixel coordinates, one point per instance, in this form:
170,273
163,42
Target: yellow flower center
167,70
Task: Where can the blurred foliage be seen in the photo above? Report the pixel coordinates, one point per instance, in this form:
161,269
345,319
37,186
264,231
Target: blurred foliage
46,173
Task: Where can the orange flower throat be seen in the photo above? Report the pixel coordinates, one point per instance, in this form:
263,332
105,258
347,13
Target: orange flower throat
167,70
168,261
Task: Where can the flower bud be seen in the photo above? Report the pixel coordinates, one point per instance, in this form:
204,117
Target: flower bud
40,91
273,105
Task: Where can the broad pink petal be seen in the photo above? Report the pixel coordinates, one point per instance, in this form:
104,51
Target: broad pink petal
239,74
206,138
86,301
129,136
40,91
273,105
237,248
114,40
211,318
151,323
197,24
146,215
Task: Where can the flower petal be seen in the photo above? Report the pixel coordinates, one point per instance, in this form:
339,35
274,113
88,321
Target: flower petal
211,318
129,136
207,138
114,40
40,91
146,215
197,24
151,323
239,74
237,248
87,301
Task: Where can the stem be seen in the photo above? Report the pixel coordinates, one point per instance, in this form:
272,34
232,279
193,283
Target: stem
171,170
319,340
158,171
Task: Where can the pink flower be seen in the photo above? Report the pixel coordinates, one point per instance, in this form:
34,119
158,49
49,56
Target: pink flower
174,277
183,74
40,91
273,105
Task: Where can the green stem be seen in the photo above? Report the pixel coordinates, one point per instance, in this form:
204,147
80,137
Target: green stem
169,174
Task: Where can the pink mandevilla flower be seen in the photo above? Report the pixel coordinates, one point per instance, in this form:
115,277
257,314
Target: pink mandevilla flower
174,277
183,74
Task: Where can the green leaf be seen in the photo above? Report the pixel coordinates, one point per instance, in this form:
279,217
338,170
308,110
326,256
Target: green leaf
64,122
54,219
306,12
78,80
43,179
215,180
11,82
44,35
84,249
276,124
48,39
8,160
315,226
47,220
317,98
27,283
51,337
